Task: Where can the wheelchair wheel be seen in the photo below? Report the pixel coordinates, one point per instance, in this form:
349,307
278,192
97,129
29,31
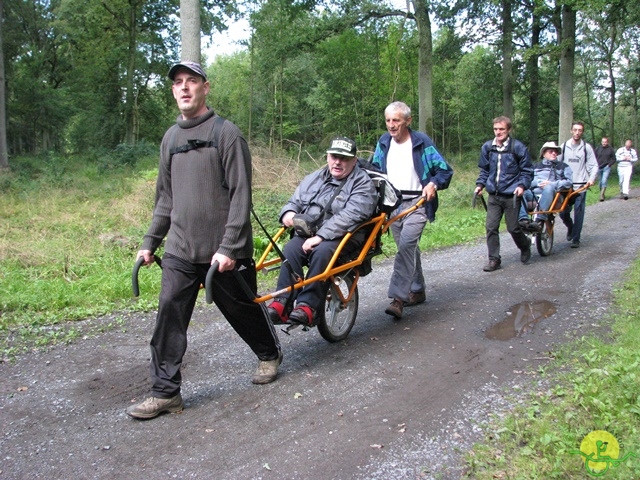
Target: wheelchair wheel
337,318
544,239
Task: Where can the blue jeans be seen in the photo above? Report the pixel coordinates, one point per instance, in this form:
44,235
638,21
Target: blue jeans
575,226
546,194
604,176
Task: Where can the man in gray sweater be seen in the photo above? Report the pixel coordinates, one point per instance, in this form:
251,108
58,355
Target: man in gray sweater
202,206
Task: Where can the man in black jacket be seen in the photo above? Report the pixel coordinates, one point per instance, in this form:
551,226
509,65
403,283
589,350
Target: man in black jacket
606,157
505,171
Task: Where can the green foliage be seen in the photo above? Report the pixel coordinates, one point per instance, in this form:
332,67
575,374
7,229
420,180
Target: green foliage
471,75
71,229
230,77
125,155
69,237
84,76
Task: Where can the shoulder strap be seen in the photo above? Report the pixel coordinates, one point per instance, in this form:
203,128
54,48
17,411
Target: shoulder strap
326,208
585,152
214,138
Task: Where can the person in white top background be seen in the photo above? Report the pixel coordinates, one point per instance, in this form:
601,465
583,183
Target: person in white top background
625,156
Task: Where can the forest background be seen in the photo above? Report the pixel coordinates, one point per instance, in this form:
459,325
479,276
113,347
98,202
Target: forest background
89,77
87,103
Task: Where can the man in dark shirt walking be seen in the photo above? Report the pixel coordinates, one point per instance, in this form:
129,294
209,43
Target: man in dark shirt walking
203,199
606,157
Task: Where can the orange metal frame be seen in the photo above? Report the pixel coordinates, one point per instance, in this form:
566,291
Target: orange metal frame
568,194
379,223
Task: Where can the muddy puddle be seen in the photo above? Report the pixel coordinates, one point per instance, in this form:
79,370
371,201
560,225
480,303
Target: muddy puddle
520,319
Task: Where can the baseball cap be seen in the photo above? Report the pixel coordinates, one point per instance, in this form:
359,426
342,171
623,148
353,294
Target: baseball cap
342,146
193,66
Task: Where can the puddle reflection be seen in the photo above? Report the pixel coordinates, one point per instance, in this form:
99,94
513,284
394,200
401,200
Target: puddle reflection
520,319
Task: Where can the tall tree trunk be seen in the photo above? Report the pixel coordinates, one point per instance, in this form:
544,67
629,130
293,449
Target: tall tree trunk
507,53
129,111
634,128
251,81
635,117
4,154
425,67
534,76
190,30
567,64
281,104
612,79
587,86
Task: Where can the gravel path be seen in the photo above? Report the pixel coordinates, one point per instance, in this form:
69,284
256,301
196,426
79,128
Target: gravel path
396,400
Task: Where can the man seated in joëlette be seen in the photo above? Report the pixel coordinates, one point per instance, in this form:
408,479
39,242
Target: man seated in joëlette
549,177
326,205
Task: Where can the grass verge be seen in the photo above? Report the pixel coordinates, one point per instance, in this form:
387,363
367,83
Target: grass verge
592,385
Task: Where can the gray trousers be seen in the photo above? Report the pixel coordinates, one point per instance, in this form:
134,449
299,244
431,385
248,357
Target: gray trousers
407,273
497,206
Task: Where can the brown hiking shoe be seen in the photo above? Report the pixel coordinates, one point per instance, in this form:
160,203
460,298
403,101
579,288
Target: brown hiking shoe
267,371
152,407
491,265
415,298
395,308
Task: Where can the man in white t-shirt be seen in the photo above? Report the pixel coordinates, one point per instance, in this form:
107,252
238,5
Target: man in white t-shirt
415,167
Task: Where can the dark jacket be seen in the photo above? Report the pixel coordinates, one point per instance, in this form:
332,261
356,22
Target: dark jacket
429,164
501,172
606,156
354,203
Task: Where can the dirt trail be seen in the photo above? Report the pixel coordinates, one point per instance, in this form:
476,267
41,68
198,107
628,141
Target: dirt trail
396,400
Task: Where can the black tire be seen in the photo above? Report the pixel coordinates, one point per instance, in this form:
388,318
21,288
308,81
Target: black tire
336,320
544,239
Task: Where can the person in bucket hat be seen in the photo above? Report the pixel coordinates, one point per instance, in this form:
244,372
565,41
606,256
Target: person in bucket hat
549,177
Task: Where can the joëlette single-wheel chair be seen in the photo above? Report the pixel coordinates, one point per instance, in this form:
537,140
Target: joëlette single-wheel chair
340,277
544,237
